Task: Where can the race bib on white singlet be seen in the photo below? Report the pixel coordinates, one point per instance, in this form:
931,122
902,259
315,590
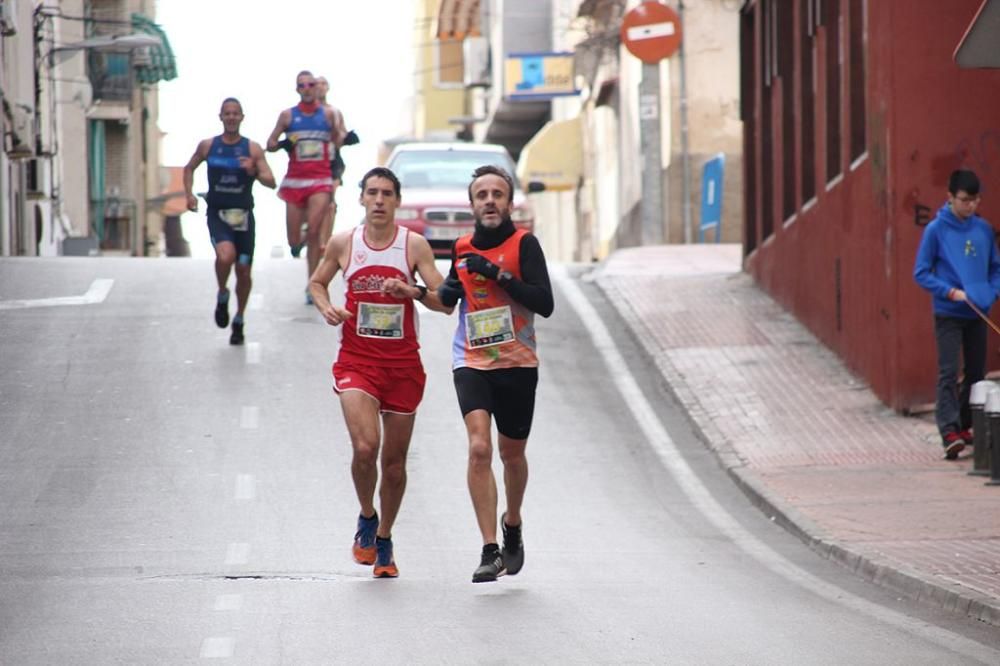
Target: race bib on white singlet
237,218
380,320
487,328
308,150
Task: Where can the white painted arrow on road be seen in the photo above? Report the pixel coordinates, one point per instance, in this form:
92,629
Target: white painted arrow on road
98,291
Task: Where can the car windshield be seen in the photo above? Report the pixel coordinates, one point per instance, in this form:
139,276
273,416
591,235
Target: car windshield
445,168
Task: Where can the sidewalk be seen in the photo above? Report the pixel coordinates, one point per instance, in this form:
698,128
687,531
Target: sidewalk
807,440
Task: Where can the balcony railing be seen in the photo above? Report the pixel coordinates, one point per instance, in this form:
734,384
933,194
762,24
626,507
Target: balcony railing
110,75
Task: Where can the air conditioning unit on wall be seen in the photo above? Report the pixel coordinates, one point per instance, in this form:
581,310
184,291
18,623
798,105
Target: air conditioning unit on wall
8,17
476,57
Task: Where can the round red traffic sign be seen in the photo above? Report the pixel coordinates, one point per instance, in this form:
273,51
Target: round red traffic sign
651,32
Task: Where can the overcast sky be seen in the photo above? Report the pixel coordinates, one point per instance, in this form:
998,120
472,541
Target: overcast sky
252,51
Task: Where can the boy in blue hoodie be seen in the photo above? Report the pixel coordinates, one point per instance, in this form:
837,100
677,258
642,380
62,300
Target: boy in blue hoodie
957,263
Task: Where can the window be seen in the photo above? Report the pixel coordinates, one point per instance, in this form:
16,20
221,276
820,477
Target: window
831,26
859,40
809,20
785,43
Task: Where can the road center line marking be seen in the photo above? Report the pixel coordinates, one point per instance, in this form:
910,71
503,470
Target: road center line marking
237,553
675,465
249,417
253,353
246,487
228,602
98,291
217,647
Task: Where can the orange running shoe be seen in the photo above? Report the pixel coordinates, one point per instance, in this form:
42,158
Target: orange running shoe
385,565
364,540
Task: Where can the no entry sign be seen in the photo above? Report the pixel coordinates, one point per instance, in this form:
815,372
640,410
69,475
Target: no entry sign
651,32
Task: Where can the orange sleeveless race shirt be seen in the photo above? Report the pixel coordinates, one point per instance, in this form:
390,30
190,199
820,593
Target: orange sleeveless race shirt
384,330
494,331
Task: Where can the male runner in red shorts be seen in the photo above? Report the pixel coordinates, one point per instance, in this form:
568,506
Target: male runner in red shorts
378,370
313,130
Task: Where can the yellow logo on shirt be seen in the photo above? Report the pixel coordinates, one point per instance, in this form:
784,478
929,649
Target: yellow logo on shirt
970,249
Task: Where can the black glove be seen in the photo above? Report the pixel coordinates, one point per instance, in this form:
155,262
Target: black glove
477,263
351,138
450,291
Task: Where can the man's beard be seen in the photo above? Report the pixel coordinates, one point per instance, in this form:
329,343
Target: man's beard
503,218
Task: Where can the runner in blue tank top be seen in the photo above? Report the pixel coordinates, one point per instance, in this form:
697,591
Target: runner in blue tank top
234,163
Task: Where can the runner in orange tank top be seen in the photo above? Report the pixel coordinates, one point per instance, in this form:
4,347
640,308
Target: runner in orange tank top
378,374
500,275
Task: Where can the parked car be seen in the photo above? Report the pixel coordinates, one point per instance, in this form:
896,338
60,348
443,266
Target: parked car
435,179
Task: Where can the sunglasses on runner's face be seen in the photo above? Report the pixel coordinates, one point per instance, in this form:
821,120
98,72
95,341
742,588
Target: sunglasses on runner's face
307,85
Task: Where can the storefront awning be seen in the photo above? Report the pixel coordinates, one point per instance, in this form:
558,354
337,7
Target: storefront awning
978,47
554,156
458,19
160,65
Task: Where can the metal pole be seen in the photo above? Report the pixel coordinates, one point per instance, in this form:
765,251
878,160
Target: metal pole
980,430
992,409
651,203
685,153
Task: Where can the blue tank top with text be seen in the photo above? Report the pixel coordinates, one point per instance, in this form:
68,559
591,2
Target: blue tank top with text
229,185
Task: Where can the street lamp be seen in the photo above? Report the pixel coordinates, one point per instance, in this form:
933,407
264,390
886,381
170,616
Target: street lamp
108,43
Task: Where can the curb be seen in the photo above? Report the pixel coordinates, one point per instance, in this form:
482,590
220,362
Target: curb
905,582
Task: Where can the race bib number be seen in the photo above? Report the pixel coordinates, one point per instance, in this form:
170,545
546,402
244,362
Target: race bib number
487,328
237,218
308,150
380,320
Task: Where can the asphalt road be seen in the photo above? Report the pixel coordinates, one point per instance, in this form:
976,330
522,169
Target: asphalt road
166,498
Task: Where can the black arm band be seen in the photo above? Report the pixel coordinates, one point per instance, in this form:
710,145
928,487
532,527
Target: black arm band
423,291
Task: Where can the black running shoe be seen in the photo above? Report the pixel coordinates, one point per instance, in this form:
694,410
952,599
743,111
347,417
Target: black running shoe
237,336
513,547
222,313
491,565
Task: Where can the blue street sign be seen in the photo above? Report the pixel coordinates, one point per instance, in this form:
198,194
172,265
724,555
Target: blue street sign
711,197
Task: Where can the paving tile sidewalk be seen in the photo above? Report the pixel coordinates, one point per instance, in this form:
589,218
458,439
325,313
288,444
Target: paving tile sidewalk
804,437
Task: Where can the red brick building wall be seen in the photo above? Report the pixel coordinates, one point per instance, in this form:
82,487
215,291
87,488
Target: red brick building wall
854,115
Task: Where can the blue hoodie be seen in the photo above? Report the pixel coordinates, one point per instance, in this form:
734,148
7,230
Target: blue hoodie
962,254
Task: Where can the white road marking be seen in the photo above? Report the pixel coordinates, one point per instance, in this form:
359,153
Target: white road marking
253,353
673,461
97,292
249,417
217,647
237,553
246,487
228,602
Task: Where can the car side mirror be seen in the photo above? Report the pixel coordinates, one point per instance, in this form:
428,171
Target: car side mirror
535,186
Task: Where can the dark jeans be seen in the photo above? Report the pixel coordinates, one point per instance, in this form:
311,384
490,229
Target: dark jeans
954,335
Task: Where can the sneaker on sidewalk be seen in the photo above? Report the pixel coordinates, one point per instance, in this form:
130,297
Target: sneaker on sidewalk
967,437
385,564
236,337
490,565
513,546
953,445
364,540
222,309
